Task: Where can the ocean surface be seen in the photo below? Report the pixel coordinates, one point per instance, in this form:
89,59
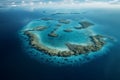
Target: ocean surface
16,64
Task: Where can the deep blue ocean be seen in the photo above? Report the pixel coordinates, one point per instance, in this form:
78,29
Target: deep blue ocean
17,65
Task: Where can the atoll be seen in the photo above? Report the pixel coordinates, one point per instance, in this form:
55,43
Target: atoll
96,41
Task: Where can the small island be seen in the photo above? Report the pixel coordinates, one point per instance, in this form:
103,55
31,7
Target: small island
40,28
85,24
53,34
64,21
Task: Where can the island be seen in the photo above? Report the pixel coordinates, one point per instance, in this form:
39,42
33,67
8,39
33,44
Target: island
85,24
58,25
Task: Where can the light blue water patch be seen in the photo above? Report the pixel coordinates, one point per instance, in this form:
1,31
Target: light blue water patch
63,38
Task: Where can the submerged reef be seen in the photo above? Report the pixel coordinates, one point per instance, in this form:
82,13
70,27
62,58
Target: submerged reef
96,41
39,28
78,27
46,19
64,21
53,34
68,30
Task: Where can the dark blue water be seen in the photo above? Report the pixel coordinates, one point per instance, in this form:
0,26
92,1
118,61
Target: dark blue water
17,65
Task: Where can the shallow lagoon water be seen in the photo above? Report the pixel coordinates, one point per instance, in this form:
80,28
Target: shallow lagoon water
76,36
